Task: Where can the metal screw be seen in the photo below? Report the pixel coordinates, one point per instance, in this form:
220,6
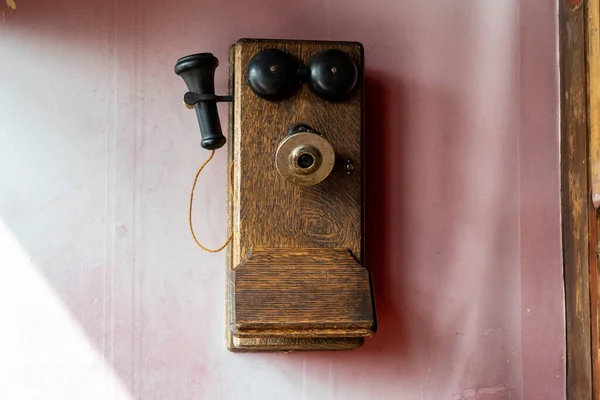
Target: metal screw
273,68
349,167
334,70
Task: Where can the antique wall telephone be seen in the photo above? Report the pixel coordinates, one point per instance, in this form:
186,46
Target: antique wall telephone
295,279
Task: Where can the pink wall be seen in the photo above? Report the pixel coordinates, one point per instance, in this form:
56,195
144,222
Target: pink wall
104,294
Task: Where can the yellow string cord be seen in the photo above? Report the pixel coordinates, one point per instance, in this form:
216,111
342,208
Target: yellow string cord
192,203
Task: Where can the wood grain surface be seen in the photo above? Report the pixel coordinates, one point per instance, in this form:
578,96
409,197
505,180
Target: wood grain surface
594,284
269,211
576,204
302,293
278,301
593,77
298,344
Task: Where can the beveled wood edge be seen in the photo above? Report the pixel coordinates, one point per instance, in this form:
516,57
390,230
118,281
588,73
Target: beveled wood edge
244,345
340,253
288,332
230,152
289,41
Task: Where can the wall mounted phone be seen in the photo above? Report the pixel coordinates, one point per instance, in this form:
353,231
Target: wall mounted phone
294,265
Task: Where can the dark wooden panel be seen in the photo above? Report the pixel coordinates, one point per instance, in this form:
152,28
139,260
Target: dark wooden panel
595,301
575,198
302,293
593,76
272,212
269,212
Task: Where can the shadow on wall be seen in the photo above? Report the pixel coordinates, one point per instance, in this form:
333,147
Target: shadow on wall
415,340
395,347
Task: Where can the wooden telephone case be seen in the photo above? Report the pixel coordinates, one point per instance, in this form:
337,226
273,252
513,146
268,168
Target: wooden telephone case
295,279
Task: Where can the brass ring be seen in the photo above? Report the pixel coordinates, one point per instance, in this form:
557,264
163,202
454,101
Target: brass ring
304,158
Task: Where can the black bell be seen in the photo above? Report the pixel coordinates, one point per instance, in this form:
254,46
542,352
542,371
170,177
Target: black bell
273,74
333,74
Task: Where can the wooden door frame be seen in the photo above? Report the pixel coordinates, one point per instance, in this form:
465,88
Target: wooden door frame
580,184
